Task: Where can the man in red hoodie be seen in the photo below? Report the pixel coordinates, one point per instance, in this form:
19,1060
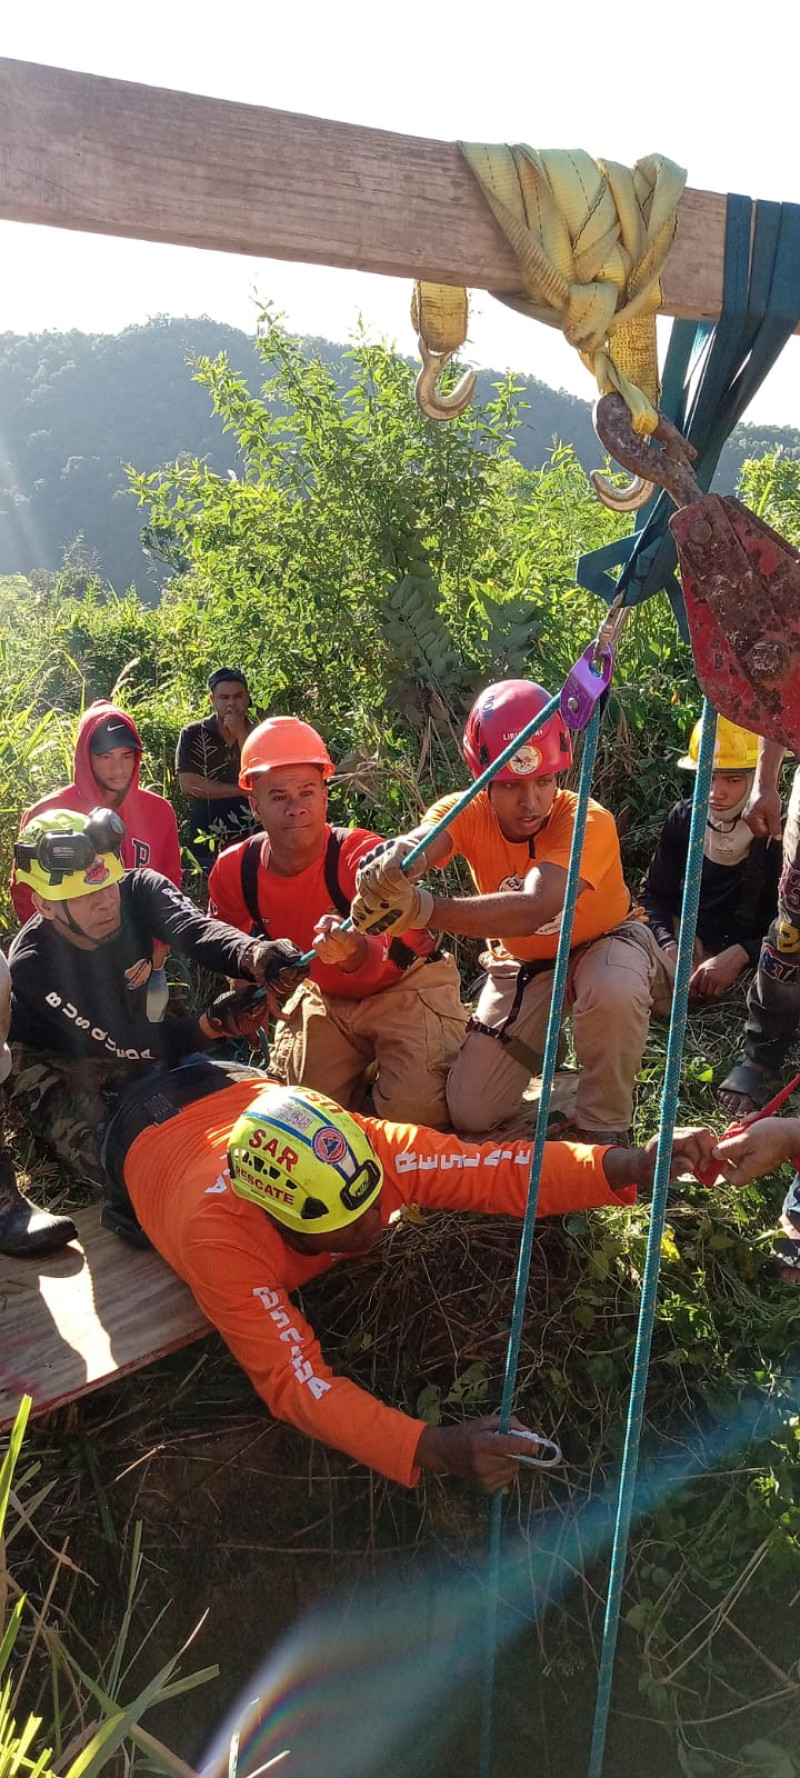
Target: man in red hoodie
108,755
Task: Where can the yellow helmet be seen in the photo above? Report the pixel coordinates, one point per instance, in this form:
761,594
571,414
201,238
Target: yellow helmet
303,1159
735,749
63,854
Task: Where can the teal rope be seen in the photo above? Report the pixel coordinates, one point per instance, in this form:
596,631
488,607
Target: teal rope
467,796
641,1364
529,1220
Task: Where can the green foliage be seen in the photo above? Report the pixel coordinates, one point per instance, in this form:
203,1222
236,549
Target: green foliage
369,569
115,1726
771,486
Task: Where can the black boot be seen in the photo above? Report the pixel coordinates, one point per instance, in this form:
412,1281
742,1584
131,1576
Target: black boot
23,1228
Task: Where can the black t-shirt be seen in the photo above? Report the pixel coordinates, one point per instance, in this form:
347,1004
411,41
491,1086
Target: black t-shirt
201,749
84,1004
737,901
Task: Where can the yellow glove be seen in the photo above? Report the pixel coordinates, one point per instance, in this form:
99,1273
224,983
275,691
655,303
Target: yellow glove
387,902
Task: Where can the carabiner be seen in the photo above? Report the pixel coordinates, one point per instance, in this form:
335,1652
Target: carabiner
429,398
537,1438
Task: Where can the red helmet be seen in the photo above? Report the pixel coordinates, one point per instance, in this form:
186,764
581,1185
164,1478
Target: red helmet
282,741
498,715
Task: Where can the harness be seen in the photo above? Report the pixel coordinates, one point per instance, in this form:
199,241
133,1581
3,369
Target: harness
400,954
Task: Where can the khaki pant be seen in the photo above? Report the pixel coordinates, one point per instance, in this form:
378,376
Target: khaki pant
413,1030
608,995
664,974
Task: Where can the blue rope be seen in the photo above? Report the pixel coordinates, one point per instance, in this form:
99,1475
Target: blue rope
669,1105
529,1221
467,796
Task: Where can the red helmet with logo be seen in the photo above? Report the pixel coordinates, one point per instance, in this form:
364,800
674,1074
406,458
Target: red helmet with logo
498,715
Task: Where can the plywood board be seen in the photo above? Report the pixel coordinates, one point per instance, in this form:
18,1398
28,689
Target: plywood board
79,151
74,1320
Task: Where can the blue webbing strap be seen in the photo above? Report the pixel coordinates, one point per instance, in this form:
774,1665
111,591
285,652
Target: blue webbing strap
708,387
529,1221
641,1363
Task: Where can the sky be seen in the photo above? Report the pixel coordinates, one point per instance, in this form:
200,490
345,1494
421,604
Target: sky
695,81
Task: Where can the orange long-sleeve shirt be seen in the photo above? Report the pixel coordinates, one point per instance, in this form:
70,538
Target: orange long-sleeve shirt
243,1274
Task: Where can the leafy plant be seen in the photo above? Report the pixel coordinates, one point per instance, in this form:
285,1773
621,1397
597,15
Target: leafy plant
105,1724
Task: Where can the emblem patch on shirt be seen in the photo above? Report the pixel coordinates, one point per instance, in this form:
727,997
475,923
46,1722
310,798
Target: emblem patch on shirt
514,883
139,973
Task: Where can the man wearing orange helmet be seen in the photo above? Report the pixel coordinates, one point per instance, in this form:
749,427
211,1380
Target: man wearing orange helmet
249,1189
738,882
369,999
516,837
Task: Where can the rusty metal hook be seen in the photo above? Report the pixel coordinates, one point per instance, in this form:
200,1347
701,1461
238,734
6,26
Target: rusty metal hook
628,499
669,467
429,398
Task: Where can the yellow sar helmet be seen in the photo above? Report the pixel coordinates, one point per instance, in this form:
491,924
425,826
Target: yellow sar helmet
303,1159
735,749
63,854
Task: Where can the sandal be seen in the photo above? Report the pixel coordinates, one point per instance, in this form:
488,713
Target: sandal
750,1081
785,1259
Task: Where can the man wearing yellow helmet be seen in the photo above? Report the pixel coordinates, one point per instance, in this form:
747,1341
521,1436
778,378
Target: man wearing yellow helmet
773,1002
739,880
250,1188
79,974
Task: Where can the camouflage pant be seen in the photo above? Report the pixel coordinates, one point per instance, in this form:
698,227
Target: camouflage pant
67,1104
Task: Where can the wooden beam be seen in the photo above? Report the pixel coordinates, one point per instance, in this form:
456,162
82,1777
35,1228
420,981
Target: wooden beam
110,157
75,1320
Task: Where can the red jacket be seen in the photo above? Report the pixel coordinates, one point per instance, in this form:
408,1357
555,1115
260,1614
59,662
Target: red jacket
151,830
242,1273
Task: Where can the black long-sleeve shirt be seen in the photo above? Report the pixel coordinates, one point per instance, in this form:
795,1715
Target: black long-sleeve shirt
84,1004
737,901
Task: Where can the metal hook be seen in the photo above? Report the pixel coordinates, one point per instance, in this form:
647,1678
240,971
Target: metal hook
669,467
628,499
429,397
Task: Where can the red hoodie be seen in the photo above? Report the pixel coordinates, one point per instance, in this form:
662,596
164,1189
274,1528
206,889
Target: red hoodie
151,830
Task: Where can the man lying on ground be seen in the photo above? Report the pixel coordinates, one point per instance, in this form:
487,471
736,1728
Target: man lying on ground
249,1188
79,975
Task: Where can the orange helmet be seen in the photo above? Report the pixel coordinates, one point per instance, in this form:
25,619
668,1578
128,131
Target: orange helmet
282,741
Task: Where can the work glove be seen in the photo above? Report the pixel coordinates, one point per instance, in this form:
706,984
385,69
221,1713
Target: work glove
388,856
276,963
390,903
240,1012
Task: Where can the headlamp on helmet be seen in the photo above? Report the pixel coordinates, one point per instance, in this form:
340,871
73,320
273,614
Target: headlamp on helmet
304,1160
64,855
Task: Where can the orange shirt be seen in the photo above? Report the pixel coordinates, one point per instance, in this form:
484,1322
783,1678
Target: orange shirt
497,864
242,1273
291,906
